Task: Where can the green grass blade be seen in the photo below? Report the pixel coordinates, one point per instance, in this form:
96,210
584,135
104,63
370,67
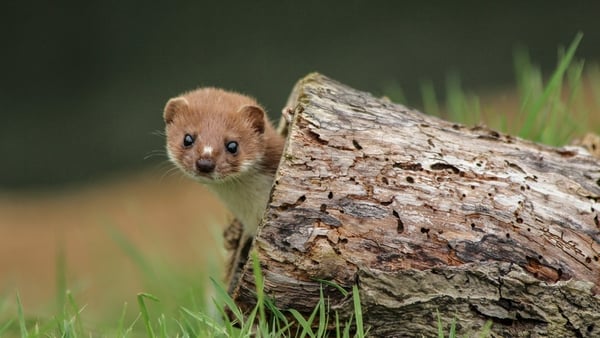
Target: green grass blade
247,328
78,323
5,327
162,324
551,88
304,324
121,322
260,287
346,332
222,296
21,316
323,318
333,284
430,102
439,324
452,333
487,329
528,78
144,312
360,332
280,324
3,307
455,99
207,321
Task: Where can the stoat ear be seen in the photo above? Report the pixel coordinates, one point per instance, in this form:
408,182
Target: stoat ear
175,106
256,116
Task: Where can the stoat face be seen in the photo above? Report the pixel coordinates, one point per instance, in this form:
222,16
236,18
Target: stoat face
213,135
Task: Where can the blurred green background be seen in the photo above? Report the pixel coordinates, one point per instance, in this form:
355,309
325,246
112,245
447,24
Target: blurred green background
83,83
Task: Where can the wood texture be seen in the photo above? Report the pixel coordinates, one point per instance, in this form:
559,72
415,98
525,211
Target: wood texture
428,215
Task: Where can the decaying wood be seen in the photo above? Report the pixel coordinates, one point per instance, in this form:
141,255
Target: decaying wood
425,215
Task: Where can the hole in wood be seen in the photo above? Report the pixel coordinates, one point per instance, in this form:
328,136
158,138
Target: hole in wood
519,220
408,166
323,208
317,137
286,206
590,328
330,196
410,179
356,145
400,228
424,230
588,259
444,166
596,220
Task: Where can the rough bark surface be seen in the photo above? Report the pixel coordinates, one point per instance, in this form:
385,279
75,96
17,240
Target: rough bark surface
424,215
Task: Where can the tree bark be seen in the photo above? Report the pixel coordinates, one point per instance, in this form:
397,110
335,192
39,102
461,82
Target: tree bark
424,215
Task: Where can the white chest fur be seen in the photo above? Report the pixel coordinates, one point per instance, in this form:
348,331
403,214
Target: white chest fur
246,198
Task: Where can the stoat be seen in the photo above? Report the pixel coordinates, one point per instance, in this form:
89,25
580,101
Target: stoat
225,141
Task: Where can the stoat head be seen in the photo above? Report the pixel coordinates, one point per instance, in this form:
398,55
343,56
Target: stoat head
214,135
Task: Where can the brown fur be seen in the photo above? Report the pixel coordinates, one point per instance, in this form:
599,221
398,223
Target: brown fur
215,117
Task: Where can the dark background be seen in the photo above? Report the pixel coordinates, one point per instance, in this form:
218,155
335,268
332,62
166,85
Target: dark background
83,83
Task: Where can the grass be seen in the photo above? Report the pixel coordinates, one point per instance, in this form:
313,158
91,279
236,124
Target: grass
550,111
194,319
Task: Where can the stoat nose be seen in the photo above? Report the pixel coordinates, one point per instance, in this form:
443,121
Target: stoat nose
205,165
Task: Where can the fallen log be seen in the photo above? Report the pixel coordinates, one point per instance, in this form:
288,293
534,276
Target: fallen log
423,215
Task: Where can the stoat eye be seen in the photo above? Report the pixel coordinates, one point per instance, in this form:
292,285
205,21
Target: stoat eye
232,147
188,140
